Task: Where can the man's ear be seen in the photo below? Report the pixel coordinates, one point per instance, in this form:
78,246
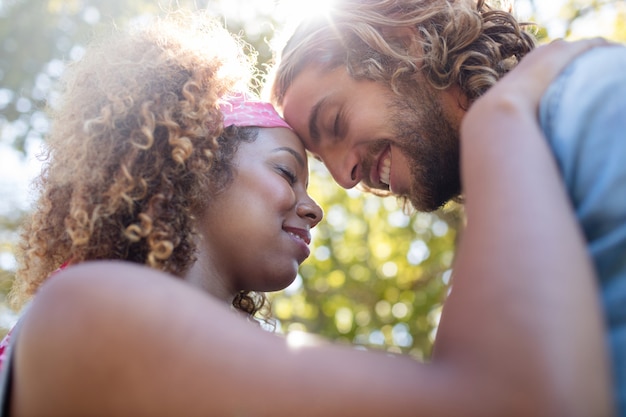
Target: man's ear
400,33
406,36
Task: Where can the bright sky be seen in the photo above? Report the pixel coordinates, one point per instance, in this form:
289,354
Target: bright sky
16,173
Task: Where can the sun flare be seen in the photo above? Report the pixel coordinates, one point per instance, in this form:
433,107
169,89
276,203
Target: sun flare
295,10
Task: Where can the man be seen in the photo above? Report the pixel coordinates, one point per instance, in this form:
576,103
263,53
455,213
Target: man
379,92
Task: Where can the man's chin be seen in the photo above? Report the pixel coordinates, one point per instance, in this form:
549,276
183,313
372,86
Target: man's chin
416,199
425,201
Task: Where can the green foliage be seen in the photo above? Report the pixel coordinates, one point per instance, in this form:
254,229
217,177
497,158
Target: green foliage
37,39
584,18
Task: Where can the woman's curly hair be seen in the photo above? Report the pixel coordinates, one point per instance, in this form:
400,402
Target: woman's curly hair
449,42
132,153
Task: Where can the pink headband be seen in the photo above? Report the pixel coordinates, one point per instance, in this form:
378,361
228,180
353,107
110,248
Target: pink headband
240,110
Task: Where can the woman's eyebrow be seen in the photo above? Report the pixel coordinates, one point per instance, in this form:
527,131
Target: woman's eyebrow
292,151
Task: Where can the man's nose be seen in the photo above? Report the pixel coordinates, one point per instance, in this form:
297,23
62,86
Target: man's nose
345,168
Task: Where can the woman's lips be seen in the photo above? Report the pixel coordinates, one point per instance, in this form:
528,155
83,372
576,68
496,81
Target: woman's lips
302,237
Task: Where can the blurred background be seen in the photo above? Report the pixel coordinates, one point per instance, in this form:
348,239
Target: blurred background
377,277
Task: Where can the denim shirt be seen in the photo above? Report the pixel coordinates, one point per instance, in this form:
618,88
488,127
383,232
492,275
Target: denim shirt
583,115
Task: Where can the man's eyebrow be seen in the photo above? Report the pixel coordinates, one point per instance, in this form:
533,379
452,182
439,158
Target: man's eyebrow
314,131
292,151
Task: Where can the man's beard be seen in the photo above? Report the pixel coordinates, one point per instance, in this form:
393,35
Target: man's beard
430,142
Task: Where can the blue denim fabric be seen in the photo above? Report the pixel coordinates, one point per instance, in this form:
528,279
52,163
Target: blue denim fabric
583,115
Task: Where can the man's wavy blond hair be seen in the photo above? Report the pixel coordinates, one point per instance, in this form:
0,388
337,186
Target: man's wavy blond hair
132,153
449,42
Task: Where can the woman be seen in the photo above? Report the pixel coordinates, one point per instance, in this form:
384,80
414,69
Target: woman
141,328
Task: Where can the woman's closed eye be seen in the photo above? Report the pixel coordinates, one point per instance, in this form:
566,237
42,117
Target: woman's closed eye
288,174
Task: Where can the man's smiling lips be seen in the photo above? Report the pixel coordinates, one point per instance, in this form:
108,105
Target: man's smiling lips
381,174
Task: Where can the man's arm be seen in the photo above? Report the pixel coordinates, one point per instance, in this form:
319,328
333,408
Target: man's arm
523,283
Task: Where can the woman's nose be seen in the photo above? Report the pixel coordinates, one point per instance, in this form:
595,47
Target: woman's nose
310,210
